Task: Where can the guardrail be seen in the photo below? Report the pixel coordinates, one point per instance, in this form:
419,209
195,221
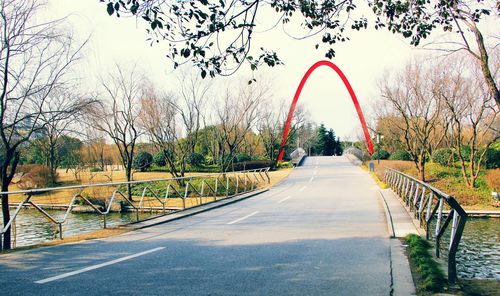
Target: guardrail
424,201
200,187
298,155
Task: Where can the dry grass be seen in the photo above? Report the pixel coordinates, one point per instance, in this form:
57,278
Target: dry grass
493,179
102,193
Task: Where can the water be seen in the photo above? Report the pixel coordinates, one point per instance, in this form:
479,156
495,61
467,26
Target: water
33,228
479,253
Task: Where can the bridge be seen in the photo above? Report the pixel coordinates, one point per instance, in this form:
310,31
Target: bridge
321,231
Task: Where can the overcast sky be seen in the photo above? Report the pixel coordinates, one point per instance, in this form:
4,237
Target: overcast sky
363,59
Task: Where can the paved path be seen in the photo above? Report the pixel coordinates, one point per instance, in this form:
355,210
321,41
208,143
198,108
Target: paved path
320,232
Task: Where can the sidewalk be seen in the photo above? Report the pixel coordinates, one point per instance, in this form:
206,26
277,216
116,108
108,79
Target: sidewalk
399,224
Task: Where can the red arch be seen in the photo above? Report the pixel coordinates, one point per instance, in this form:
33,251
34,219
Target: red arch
296,98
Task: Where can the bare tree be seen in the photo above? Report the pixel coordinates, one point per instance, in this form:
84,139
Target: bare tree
158,117
412,97
236,116
471,107
34,61
58,126
118,114
270,129
193,94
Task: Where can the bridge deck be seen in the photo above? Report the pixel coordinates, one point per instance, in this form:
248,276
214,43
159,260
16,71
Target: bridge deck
320,232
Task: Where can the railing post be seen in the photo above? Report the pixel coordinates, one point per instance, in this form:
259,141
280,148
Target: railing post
185,196
60,231
104,221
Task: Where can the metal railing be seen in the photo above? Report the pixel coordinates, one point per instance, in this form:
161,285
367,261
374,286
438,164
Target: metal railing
427,204
211,187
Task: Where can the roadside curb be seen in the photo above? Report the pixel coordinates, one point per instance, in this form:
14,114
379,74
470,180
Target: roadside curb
192,211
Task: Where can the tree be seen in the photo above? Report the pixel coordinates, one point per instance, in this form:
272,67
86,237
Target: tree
193,30
118,114
56,147
470,106
236,116
417,19
270,127
158,117
34,61
143,161
416,107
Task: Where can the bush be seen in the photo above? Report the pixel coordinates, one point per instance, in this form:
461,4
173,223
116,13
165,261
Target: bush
95,170
143,161
444,156
400,155
380,154
251,165
243,157
285,165
195,159
34,176
159,159
493,179
491,158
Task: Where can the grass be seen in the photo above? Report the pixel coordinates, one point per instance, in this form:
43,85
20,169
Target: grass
429,277
64,196
447,179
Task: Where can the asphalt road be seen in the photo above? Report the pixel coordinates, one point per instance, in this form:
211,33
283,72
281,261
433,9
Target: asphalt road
320,232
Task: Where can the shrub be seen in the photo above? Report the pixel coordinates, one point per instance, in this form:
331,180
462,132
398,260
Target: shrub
285,165
400,155
444,156
95,170
251,165
380,154
159,159
493,179
34,176
243,157
195,159
491,158
143,161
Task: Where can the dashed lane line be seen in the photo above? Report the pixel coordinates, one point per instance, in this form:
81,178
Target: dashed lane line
243,218
284,199
302,188
310,180
93,267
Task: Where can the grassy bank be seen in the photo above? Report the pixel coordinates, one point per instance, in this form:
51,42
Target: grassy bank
447,179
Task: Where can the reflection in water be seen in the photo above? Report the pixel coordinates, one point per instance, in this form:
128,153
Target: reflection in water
31,227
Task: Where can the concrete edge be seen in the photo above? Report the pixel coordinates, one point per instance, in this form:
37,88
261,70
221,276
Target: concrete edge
388,216
402,279
192,211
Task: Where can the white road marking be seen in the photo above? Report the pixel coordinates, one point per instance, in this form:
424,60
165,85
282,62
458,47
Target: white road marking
243,218
92,267
302,188
284,199
310,180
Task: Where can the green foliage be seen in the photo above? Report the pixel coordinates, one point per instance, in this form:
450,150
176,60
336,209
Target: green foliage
380,154
400,155
444,156
433,278
159,159
285,165
95,170
195,159
142,161
250,165
491,158
243,157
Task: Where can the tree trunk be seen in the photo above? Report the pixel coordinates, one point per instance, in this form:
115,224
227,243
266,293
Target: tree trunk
483,58
5,212
128,175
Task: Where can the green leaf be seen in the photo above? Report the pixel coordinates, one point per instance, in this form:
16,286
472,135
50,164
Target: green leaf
203,73
110,8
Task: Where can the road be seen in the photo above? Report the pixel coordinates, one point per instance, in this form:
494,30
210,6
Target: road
320,232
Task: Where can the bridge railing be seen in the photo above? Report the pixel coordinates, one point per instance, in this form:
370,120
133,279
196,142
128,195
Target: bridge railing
190,191
428,206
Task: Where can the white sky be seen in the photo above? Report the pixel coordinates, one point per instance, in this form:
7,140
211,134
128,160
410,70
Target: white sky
363,60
